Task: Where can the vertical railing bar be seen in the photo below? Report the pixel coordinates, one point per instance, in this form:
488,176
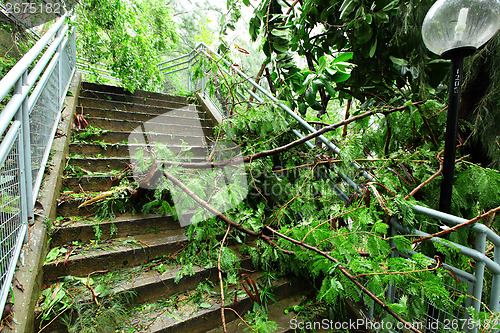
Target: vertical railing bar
26,152
495,285
479,271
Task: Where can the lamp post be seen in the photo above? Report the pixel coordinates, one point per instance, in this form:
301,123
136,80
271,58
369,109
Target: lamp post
454,29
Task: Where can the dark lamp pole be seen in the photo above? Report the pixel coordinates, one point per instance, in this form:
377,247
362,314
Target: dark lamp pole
454,29
456,76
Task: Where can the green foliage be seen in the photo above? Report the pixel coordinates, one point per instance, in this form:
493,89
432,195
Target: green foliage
293,194
128,37
258,319
68,300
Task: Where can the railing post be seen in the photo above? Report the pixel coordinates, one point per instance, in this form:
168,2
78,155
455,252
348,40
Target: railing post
190,88
479,272
495,285
24,158
203,81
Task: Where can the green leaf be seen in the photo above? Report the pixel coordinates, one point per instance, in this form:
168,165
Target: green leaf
341,77
398,61
343,57
346,8
279,33
205,305
302,109
373,49
369,18
391,6
316,84
380,227
329,89
382,17
321,65
280,48
310,96
54,253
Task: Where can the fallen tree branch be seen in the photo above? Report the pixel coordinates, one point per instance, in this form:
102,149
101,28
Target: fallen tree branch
348,275
223,217
94,294
431,178
265,153
268,240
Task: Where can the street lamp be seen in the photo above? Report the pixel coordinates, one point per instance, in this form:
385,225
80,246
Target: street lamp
454,29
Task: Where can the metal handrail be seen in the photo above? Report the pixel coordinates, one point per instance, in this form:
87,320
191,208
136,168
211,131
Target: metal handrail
30,118
484,233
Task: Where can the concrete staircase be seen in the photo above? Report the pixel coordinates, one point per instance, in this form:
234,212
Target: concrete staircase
132,246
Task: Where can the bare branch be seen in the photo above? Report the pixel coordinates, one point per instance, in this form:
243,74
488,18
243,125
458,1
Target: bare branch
249,158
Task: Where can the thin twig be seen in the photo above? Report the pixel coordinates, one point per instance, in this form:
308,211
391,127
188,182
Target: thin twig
222,302
265,153
94,295
431,178
458,226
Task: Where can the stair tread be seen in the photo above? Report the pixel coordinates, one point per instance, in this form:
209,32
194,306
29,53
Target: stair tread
120,90
116,253
140,116
162,126
82,229
196,319
276,314
130,98
88,102
113,137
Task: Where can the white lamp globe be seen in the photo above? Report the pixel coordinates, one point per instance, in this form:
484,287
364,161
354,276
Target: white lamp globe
460,25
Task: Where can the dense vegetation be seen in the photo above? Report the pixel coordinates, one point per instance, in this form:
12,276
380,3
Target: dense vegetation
358,57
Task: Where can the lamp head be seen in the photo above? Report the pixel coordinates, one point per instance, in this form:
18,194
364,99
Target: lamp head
454,27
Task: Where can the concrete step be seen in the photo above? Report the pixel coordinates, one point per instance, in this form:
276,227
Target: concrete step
140,116
87,102
110,164
204,320
137,92
112,137
123,150
178,125
83,230
152,282
115,254
151,286
93,183
168,102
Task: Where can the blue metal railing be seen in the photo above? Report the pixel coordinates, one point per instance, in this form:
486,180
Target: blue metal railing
28,123
474,281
